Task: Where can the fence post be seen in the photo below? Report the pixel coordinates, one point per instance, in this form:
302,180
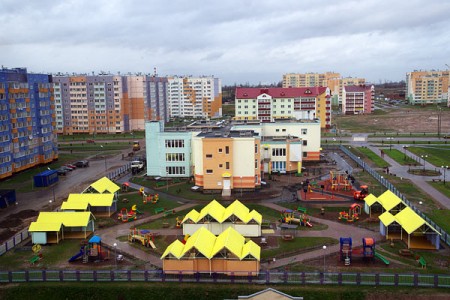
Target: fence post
27,276
111,274
180,276
129,275
340,278
146,275
197,277
10,277
322,277
303,278
250,277
285,276
416,279
396,279
377,279
163,276
267,277
61,276
94,275
232,277
436,281
358,278
44,275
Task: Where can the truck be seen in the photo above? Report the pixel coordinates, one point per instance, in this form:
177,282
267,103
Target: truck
136,166
361,194
136,146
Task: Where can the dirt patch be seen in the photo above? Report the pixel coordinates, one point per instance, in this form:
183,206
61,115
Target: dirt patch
15,223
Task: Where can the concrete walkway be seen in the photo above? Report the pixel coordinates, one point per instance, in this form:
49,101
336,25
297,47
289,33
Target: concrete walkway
419,181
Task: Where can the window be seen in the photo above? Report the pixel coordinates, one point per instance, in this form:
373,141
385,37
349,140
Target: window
174,143
227,165
305,143
256,164
174,156
220,150
279,152
305,154
220,165
175,171
209,171
208,155
227,150
256,148
304,131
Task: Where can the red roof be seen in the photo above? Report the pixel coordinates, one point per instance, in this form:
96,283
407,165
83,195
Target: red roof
253,93
357,88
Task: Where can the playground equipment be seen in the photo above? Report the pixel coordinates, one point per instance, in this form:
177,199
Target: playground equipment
290,217
150,198
125,186
37,254
145,237
127,216
91,252
352,215
367,252
360,195
340,181
178,222
186,237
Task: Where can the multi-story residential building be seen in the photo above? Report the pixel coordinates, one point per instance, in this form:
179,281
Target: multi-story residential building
332,80
107,103
196,97
427,87
270,104
224,158
358,99
308,79
27,121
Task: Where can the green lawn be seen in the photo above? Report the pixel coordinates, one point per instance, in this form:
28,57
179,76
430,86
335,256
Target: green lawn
400,157
369,154
107,146
441,217
444,189
438,156
83,137
297,245
149,208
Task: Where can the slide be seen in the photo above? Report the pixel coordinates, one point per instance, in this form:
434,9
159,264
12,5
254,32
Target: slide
380,257
76,256
152,245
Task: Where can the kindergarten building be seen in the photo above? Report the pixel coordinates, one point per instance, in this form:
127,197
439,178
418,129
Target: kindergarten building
218,219
203,252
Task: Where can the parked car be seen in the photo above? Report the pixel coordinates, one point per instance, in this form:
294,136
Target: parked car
82,164
73,167
66,168
61,171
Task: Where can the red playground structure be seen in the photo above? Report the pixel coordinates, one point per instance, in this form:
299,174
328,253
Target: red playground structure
352,215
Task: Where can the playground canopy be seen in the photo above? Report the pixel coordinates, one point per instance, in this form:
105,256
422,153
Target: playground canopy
217,219
98,204
51,227
102,186
389,201
221,252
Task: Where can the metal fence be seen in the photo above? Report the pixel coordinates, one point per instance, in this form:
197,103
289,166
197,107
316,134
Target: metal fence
119,172
267,277
445,237
14,241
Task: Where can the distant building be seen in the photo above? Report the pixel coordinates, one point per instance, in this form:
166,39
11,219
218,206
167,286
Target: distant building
428,87
332,80
27,121
270,104
194,97
358,99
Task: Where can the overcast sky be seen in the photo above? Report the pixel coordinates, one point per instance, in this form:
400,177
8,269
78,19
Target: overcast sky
238,41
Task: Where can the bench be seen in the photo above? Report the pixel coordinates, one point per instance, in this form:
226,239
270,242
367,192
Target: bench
34,259
288,237
169,212
422,262
160,183
159,210
265,223
405,252
301,209
165,225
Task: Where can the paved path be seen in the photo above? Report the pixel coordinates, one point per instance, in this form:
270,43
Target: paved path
419,181
334,230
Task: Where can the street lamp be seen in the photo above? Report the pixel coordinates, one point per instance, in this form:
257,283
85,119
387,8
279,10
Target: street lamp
115,255
104,155
324,252
423,158
241,186
50,202
444,169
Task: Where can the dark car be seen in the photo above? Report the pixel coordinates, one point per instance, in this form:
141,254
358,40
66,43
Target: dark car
82,164
73,167
66,168
61,171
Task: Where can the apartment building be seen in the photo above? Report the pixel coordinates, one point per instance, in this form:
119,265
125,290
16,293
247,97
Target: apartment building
104,103
358,99
221,157
428,87
270,104
332,80
27,121
194,97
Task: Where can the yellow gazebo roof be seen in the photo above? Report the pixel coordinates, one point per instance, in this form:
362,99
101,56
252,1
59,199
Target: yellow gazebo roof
52,221
231,240
202,240
389,200
214,209
387,218
409,220
81,201
105,185
371,199
176,248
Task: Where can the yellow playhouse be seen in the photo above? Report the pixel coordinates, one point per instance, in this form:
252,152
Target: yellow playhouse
100,205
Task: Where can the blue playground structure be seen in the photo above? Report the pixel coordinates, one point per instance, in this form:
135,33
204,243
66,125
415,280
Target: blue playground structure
367,252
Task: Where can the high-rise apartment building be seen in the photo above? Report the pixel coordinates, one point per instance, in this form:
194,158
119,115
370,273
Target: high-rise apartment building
27,121
196,97
358,99
269,104
98,104
427,87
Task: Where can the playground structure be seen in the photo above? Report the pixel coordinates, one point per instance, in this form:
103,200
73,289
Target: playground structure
128,216
92,251
340,181
37,254
367,252
290,217
352,215
178,222
361,194
153,198
145,237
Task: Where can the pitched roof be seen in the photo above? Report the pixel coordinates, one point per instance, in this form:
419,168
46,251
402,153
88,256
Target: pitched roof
52,221
213,209
209,245
371,199
105,185
253,93
357,88
389,200
409,220
81,201
387,218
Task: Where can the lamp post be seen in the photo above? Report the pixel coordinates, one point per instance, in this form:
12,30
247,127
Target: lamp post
404,152
104,155
51,206
241,185
444,169
115,255
324,252
423,158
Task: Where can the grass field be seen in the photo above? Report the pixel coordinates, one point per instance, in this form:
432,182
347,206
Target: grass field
367,153
436,155
96,137
399,157
441,187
